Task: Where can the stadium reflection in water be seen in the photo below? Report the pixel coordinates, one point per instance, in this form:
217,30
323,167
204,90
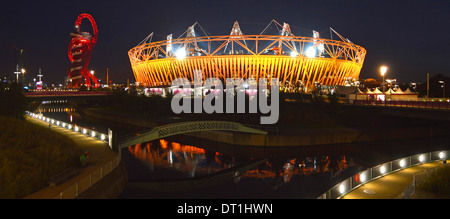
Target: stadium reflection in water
162,157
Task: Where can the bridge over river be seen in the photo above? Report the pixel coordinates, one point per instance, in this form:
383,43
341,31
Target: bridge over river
66,95
186,127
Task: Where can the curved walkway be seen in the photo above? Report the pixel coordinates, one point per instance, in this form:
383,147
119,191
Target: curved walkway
392,185
100,154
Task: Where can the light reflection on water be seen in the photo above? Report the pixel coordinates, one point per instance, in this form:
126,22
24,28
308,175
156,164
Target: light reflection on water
66,113
162,157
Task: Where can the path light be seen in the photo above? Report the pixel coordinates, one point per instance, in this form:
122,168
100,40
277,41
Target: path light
402,163
102,137
84,131
382,169
92,133
342,188
441,155
421,158
362,177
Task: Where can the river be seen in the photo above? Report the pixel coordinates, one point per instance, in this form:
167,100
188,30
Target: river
186,163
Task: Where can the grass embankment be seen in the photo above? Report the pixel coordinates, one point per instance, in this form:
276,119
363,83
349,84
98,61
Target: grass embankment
438,182
29,155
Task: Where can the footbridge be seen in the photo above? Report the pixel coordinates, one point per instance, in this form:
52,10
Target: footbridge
187,127
65,95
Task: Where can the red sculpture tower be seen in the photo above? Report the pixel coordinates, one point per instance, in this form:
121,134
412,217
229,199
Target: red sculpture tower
80,52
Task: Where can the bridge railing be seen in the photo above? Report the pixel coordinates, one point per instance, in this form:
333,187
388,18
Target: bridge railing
363,177
192,126
66,93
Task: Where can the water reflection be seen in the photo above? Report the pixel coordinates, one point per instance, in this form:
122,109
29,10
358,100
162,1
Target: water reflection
54,109
163,155
300,167
62,111
189,160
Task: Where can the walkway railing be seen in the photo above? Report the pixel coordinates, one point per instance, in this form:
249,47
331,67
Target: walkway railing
85,183
107,138
359,179
439,104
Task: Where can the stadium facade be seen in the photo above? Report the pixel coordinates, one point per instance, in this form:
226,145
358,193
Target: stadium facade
299,62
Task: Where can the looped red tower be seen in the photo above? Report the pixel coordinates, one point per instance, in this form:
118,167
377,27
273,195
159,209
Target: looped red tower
80,52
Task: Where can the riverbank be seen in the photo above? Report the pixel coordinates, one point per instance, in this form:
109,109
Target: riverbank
285,137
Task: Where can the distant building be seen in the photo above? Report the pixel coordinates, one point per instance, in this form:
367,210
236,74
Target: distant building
377,95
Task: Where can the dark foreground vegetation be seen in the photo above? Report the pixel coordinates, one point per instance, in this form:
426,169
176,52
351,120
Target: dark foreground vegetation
29,155
12,100
438,182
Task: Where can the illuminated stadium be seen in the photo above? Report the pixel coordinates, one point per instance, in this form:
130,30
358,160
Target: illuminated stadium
299,62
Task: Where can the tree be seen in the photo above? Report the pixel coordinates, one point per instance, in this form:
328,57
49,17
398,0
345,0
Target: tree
13,101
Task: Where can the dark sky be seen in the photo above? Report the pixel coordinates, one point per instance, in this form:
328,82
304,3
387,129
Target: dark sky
412,37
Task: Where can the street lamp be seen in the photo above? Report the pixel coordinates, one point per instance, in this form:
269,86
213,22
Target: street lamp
17,76
40,75
383,70
23,76
443,86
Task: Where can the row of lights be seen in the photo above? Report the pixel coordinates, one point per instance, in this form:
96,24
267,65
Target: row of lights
69,126
383,170
310,52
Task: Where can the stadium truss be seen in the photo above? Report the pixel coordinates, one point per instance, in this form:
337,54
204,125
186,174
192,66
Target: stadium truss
296,61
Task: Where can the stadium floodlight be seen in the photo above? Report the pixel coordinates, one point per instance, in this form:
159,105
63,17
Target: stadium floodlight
311,52
294,54
181,53
321,48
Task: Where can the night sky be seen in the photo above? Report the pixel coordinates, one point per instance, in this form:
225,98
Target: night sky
412,37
